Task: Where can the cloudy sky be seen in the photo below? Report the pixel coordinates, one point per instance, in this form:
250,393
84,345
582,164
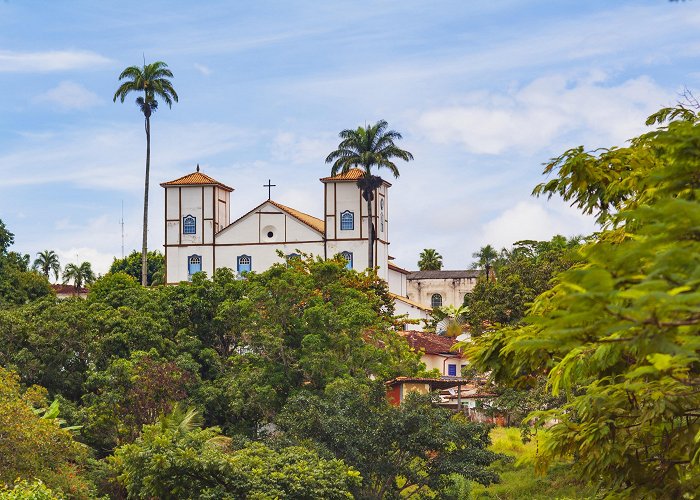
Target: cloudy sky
483,92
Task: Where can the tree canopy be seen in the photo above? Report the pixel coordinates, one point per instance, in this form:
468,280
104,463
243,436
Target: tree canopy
429,260
618,333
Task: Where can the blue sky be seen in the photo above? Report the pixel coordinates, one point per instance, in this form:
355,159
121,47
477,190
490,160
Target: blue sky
483,92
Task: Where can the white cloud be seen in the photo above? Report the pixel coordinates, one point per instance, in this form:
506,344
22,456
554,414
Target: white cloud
53,60
112,156
69,95
534,220
205,70
530,118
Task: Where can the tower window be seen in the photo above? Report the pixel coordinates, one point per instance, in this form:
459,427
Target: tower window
244,263
436,300
347,221
189,225
194,264
347,256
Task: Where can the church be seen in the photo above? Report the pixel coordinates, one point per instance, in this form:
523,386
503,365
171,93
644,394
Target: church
199,235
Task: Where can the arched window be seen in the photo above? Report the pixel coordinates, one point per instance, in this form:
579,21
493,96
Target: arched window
189,225
347,221
436,300
194,264
347,256
244,263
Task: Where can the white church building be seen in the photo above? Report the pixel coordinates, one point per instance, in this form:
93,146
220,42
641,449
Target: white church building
199,235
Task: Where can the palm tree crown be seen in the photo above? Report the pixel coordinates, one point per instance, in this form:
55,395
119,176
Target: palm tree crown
79,274
46,262
430,260
485,258
365,148
153,80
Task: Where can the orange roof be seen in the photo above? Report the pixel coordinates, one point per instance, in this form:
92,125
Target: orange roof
351,175
431,343
307,219
196,179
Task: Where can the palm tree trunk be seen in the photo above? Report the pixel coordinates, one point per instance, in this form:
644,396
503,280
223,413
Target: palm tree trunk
144,246
370,228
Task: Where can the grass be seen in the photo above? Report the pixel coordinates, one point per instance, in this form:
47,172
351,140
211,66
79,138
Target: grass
518,478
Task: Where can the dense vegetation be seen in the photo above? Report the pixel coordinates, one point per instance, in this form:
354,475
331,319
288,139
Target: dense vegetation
251,358
618,334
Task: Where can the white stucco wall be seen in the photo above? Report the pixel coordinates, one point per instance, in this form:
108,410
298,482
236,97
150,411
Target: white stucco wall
397,282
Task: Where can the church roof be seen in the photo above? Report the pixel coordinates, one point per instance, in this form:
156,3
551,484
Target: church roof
352,175
398,269
410,302
431,343
196,179
309,220
444,275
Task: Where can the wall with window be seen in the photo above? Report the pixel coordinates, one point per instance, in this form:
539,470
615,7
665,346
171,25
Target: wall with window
452,291
262,256
178,261
447,365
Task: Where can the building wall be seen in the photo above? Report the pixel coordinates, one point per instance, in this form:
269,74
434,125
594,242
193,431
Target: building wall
397,282
262,256
452,290
440,362
401,308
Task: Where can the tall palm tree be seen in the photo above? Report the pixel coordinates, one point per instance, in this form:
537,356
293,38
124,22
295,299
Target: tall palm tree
152,80
430,260
366,148
485,258
46,262
79,274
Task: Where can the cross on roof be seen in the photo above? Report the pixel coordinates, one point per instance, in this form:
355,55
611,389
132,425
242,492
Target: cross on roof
269,187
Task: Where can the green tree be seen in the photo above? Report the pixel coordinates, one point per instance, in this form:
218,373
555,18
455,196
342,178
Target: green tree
177,459
131,265
485,258
410,449
79,274
524,272
618,333
367,148
24,490
47,262
153,80
430,260
6,238
34,447
17,284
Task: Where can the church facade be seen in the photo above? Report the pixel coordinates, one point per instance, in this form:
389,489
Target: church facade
199,235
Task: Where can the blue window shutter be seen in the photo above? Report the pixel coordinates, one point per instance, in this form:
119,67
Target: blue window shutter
244,263
452,370
347,221
189,225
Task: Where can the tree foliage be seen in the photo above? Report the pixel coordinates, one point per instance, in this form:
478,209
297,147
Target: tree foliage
412,448
131,265
173,459
523,272
35,447
18,285
429,260
619,333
